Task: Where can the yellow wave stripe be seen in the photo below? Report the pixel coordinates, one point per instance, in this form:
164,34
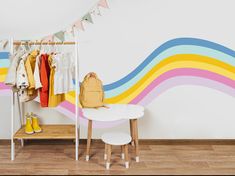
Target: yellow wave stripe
70,97
127,97
170,63
2,78
3,71
173,62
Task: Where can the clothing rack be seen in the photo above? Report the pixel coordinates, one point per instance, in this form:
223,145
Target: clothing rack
77,124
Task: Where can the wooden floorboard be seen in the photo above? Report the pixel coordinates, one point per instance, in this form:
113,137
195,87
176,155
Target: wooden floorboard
57,158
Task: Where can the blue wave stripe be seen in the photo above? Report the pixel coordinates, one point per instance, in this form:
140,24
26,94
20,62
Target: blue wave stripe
169,44
4,55
4,63
159,50
181,49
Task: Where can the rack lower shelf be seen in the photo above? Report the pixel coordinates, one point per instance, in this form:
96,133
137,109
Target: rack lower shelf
49,132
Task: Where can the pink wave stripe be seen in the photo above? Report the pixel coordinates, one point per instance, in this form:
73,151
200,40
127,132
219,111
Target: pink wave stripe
184,72
68,106
5,92
65,112
185,80
4,86
83,121
71,107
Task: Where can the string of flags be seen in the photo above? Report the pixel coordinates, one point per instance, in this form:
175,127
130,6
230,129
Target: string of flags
79,24
3,44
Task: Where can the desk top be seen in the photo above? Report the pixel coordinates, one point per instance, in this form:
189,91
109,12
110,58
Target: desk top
114,112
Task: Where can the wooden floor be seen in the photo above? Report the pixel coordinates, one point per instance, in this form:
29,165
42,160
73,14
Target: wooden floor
58,158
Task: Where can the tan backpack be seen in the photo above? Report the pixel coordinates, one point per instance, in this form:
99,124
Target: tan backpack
91,92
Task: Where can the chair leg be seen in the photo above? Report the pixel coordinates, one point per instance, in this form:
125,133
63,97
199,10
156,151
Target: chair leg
105,151
123,151
89,134
131,132
126,156
109,156
136,141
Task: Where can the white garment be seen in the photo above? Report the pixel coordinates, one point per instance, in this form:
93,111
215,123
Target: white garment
21,75
63,79
11,74
36,73
22,82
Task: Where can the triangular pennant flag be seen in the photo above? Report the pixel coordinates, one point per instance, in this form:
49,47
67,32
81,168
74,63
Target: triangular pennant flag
48,38
5,44
78,24
69,29
95,11
60,35
73,31
103,3
87,18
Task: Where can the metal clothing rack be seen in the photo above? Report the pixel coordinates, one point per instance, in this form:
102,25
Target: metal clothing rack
77,125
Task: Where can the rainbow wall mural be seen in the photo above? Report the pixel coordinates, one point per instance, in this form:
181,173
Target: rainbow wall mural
181,61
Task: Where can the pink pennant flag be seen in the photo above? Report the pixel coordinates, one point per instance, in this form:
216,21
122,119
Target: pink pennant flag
78,24
103,3
48,38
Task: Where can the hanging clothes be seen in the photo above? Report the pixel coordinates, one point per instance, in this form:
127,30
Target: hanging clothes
63,79
21,75
36,73
30,66
22,83
11,74
50,75
44,77
54,100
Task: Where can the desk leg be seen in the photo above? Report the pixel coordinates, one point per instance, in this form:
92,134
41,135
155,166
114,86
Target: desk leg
136,139
89,133
131,132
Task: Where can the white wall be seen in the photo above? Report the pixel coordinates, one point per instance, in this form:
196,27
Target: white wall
126,34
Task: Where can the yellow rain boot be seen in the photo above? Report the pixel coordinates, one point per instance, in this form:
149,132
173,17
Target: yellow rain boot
28,125
35,124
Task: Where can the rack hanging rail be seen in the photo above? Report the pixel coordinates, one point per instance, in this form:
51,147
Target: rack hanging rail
43,43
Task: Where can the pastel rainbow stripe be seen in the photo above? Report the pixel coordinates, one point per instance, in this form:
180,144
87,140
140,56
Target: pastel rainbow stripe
181,61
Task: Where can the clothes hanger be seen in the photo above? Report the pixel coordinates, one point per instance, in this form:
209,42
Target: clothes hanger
47,47
21,47
43,48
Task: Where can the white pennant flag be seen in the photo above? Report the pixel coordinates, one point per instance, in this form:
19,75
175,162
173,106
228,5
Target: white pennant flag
95,10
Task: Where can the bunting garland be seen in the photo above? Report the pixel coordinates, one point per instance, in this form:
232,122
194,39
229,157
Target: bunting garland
103,3
3,44
78,25
95,11
87,18
48,38
60,35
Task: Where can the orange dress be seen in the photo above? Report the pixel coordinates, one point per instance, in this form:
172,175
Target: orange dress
44,77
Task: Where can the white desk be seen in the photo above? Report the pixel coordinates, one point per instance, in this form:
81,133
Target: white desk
115,112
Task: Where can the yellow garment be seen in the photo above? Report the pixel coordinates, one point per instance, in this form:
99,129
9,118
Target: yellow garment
54,100
30,66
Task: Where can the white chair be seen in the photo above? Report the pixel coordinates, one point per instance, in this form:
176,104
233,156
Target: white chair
119,139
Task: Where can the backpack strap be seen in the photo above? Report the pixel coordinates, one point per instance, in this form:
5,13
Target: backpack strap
91,74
